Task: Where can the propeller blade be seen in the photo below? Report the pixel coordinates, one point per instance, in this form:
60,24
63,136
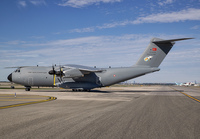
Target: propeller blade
52,72
61,73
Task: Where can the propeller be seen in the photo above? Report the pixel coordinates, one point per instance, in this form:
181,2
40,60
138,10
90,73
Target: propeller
57,73
52,72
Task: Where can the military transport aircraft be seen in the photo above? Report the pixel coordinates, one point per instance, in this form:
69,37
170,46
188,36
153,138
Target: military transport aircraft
83,78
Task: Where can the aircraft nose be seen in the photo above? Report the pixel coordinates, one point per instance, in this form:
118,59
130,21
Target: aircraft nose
10,77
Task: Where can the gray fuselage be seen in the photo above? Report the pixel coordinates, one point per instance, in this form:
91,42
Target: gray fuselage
39,76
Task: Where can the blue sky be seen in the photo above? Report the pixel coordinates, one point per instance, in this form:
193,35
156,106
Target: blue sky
100,33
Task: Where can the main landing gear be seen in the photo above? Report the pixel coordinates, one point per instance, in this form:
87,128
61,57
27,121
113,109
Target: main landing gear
28,88
81,90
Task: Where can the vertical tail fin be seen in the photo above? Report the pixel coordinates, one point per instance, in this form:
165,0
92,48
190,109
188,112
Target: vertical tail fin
156,52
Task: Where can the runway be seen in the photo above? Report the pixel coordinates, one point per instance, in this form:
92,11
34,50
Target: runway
114,112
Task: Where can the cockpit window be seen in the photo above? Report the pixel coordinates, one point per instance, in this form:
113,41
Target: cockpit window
17,70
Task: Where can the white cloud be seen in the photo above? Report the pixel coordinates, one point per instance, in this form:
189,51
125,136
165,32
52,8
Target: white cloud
37,37
69,42
162,3
184,15
83,3
22,3
89,29
195,27
88,50
15,42
38,2
180,16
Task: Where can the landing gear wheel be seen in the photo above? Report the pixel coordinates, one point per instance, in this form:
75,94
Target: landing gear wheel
86,90
28,88
81,90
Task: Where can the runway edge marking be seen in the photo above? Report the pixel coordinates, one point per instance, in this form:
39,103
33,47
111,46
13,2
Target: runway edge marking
28,103
188,95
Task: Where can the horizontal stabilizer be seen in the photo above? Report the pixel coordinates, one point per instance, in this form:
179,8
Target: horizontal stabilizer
173,40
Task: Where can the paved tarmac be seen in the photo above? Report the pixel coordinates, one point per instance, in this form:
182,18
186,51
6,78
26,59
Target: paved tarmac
156,112
15,100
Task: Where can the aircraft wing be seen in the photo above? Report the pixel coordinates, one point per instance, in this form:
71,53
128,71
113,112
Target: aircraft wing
72,71
84,68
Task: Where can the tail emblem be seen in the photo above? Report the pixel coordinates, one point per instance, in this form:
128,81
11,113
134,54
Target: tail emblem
147,58
154,49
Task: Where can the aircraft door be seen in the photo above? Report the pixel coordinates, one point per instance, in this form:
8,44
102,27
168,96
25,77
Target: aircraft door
30,81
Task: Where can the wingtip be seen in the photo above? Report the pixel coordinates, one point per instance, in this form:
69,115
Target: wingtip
186,38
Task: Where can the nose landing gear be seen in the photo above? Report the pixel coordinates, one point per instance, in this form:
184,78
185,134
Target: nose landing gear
28,88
